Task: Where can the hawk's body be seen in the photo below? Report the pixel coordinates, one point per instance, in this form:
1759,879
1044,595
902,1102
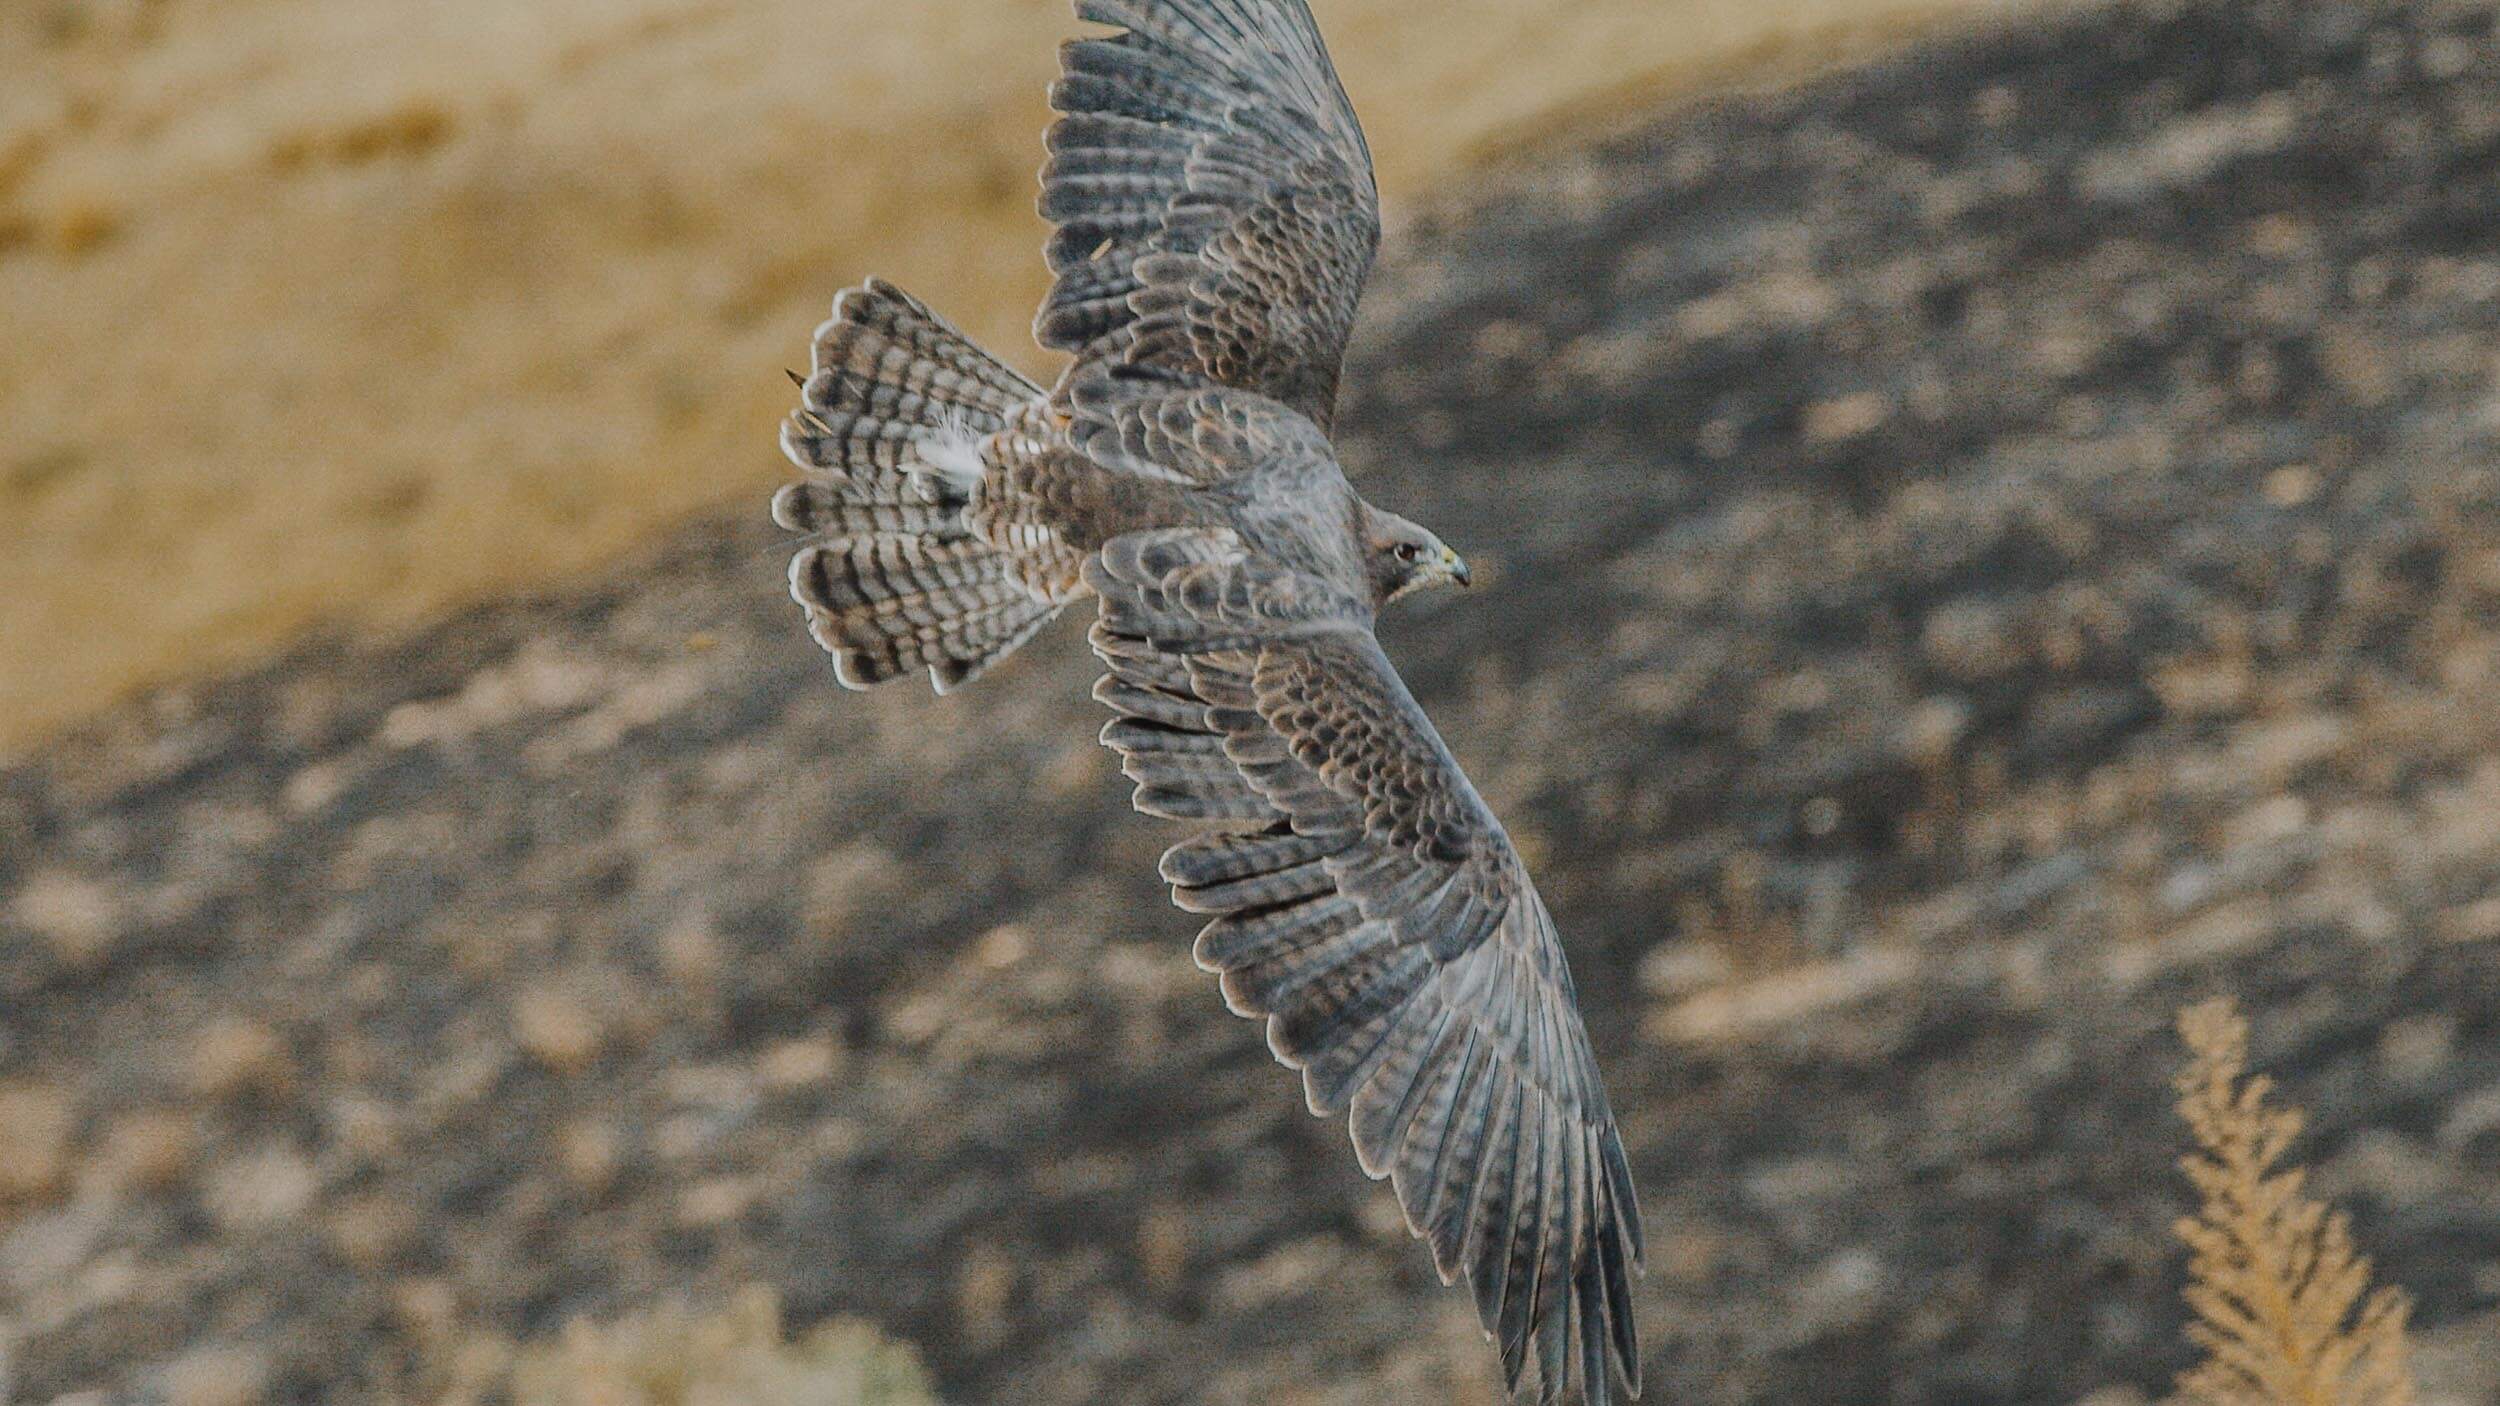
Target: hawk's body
1216,220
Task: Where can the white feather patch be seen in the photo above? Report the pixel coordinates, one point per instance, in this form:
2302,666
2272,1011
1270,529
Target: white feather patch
952,451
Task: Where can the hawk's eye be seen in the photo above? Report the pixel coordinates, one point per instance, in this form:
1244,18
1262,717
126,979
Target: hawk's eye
1410,552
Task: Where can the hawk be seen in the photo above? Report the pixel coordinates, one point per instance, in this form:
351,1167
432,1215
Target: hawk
1216,217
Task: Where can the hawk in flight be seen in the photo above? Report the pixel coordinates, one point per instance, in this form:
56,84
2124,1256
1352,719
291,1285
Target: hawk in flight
1216,216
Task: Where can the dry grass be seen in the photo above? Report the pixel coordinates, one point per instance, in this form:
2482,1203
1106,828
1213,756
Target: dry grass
734,1356
2284,1307
362,310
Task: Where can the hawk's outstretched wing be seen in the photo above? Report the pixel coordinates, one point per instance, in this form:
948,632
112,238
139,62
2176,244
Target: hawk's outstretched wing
1214,199
1370,906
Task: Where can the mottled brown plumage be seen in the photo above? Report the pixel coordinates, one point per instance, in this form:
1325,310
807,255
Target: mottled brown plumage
1216,219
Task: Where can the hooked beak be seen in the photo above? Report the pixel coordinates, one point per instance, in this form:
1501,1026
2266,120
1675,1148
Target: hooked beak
1458,568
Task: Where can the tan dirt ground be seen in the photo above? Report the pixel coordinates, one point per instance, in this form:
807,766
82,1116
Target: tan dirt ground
364,310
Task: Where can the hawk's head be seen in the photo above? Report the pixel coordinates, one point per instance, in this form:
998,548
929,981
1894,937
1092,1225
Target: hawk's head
1406,558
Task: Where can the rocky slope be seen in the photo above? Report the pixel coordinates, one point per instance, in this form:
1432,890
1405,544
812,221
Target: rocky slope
1985,549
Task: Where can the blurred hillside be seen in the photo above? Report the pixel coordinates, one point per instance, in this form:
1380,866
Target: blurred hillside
1981,550
358,309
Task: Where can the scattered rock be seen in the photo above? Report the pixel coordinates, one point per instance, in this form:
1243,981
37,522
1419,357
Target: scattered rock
260,1190
589,1151
556,1028
234,1055
148,1151
794,1065
1972,641
220,1376
37,1122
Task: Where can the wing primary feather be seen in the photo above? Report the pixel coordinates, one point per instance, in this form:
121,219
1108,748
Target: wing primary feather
1360,1037
1390,1099
1517,1268
1253,935
1289,884
1454,1165
1496,1220
1619,1190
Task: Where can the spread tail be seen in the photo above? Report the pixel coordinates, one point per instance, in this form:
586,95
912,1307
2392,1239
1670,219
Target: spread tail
890,428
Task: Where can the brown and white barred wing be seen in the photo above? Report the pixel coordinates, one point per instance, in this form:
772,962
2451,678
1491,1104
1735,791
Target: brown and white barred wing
1214,198
1369,906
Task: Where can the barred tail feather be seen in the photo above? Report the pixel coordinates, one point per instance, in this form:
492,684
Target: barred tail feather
891,388
890,427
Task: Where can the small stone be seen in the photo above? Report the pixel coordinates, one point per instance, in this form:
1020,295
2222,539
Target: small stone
1843,1292
260,1191
1286,1273
1382,1219
236,1054
2278,749
46,1250
1970,640
2083,721
364,1128
1690,1256
2472,1126
2387,1167
589,1152
690,950
557,1029
794,1065
1673,970
1163,1247
2478,921
1849,417
2445,56
217,1376
370,1232
715,1202
313,787
2418,1048
1075,770
1932,728
146,1152
36,1125
1996,105
428,1308
847,885
2292,485
1719,439
985,1285
2203,687
1003,947
77,917
2268,821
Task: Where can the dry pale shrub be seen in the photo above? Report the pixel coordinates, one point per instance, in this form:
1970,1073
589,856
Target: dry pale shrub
2284,1307
734,1357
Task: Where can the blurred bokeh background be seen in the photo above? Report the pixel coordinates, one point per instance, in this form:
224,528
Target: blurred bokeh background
355,312
2015,548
